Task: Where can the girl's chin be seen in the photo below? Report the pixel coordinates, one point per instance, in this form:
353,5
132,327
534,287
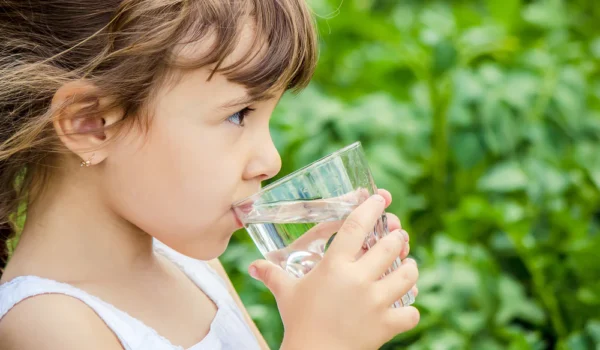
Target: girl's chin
210,247
209,252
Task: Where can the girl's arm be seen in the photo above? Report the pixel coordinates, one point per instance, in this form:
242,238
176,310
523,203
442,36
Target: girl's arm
218,267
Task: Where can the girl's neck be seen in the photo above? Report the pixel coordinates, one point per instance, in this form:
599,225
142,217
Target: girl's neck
72,235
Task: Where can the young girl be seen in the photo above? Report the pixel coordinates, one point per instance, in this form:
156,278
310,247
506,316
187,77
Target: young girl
127,130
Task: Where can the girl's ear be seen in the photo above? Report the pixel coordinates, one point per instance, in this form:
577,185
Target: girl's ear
82,120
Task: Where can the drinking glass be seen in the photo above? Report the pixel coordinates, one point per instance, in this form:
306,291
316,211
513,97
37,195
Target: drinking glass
294,220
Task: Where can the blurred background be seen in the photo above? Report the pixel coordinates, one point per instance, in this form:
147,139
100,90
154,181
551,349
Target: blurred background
483,120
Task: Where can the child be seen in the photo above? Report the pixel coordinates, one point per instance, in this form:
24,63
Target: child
127,130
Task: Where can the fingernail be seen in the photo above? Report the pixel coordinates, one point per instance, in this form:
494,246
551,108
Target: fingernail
253,271
378,198
398,234
405,249
416,317
405,235
410,261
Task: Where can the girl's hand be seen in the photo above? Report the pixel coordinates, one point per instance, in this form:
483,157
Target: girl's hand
322,232
342,303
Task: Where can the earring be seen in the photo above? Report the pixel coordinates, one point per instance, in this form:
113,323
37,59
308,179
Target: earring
87,163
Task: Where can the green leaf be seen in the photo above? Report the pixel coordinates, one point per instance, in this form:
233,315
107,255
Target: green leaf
593,329
441,340
506,12
514,304
595,48
548,14
444,57
500,129
549,180
520,89
512,212
438,22
392,158
468,87
588,157
577,341
504,177
470,322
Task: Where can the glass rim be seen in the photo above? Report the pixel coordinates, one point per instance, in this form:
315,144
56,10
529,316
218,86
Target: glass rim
296,173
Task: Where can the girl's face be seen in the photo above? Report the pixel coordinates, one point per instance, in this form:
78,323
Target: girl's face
202,153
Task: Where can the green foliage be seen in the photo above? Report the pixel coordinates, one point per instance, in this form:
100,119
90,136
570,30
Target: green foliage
483,120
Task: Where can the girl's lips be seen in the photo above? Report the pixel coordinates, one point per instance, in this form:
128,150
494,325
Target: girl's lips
242,210
238,222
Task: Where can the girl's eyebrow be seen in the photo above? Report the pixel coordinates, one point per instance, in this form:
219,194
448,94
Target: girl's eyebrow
245,100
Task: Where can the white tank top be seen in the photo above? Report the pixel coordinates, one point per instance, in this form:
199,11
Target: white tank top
228,330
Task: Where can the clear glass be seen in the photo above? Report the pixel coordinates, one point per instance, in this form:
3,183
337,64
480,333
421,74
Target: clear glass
294,220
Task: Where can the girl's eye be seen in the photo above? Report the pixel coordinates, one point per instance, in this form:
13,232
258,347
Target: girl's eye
238,117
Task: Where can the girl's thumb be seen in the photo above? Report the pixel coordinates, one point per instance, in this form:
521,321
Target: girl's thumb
271,275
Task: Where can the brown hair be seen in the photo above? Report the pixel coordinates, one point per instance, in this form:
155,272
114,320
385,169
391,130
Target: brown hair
126,47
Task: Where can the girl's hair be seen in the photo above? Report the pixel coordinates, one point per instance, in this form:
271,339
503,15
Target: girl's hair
125,48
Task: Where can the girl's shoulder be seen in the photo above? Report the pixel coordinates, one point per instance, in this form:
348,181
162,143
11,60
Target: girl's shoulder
54,321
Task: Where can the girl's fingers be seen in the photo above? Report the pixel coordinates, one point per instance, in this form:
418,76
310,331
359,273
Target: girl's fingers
319,233
381,256
405,251
386,195
393,222
399,282
402,319
351,235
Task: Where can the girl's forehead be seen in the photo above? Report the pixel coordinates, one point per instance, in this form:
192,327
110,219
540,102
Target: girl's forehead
249,50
